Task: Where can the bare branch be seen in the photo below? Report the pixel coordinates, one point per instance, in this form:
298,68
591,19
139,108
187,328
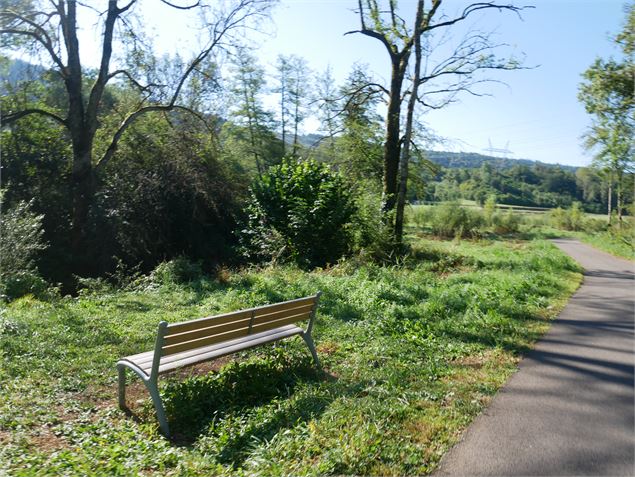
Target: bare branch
39,34
12,117
98,88
475,7
185,7
126,8
129,120
127,74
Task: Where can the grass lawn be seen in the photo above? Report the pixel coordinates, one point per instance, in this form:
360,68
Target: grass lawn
411,354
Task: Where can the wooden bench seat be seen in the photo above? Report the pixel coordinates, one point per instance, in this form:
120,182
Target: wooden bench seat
190,342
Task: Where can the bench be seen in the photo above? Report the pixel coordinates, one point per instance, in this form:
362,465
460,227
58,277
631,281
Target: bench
190,342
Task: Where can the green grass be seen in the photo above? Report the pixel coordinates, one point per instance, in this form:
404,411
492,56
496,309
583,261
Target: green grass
411,354
611,243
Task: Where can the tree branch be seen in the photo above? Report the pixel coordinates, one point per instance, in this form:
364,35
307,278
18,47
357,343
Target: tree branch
129,120
12,117
127,74
40,35
186,7
475,7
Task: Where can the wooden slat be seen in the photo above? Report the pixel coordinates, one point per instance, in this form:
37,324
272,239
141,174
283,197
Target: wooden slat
305,309
188,345
301,310
184,326
269,325
217,346
205,354
207,331
172,339
285,305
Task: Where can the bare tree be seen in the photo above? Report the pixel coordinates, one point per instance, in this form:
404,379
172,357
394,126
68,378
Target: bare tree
51,28
473,54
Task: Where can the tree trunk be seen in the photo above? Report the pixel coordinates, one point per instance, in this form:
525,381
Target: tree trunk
618,203
610,199
83,193
405,152
392,146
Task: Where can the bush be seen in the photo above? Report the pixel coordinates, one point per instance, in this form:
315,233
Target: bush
176,271
372,237
21,242
489,209
451,220
507,223
417,215
570,219
299,211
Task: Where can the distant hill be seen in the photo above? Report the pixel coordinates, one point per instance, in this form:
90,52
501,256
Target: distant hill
15,70
473,160
455,160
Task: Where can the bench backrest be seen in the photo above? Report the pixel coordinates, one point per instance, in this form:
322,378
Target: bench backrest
188,335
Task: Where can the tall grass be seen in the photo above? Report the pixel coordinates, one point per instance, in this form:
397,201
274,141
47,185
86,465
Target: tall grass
450,220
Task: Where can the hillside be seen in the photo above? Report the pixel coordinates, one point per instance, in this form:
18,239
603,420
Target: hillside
473,160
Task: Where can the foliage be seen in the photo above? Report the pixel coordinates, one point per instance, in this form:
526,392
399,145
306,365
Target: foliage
619,242
299,211
450,220
412,354
86,105
21,242
175,272
35,169
569,219
167,194
608,94
252,134
371,237
506,223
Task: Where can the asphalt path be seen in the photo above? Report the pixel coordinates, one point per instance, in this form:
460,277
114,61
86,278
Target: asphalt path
569,410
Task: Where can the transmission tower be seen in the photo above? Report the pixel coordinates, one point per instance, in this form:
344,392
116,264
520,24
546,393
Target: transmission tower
497,150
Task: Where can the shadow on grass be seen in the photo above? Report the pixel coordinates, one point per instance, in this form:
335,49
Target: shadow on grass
231,405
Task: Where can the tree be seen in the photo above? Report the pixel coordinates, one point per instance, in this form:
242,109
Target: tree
293,88
51,28
472,54
608,93
247,88
359,144
327,107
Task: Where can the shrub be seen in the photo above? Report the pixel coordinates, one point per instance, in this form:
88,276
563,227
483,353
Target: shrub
371,236
418,215
570,219
176,271
507,223
299,211
489,209
451,220
20,243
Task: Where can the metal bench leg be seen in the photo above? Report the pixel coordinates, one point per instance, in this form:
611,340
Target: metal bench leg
122,386
153,389
309,342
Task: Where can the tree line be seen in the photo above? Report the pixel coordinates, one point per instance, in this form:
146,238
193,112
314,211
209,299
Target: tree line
536,185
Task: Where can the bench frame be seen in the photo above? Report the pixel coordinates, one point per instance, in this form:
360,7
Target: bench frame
150,380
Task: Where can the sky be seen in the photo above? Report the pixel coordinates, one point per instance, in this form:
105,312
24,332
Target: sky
535,114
